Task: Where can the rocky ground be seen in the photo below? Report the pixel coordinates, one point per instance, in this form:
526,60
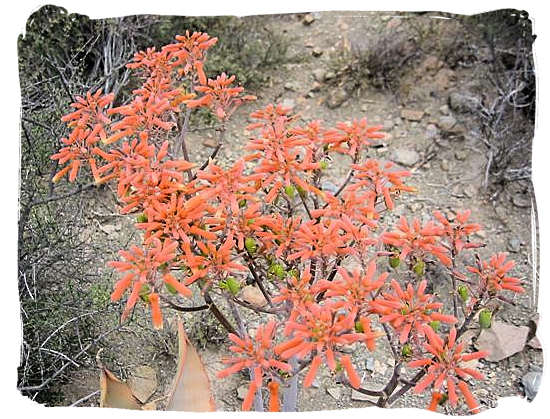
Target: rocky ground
431,132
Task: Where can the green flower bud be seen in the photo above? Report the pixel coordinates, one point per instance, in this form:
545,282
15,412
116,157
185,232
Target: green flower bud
394,262
419,267
406,350
301,191
435,325
359,327
277,270
170,288
250,245
142,218
231,285
443,399
323,164
242,203
290,191
463,292
144,293
485,318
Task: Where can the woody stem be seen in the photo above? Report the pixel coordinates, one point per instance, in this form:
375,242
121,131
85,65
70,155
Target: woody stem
181,139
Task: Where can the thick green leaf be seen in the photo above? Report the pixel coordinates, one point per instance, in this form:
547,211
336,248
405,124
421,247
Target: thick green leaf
190,391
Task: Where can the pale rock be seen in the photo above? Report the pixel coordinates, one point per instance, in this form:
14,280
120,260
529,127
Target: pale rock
502,340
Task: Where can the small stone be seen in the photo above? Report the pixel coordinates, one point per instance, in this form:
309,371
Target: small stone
514,245
531,384
336,98
369,364
242,391
364,107
482,234
288,103
412,115
405,157
415,206
210,142
290,86
460,102
443,79
308,19
445,165
330,75
317,52
253,295
521,201
388,124
143,382
470,191
431,63
431,131
335,392
315,87
380,368
444,109
316,383
360,397
461,155
109,228
446,123
319,75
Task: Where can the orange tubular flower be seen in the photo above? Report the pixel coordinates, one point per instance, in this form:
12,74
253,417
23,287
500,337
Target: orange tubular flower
379,179
258,356
446,368
417,240
493,275
319,331
89,121
213,262
220,97
457,233
355,289
351,137
143,267
409,310
317,239
228,187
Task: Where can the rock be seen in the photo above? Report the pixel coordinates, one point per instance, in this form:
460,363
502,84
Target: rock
336,97
364,107
143,382
521,201
380,368
460,102
446,123
405,156
288,103
431,131
461,155
335,392
242,391
315,87
514,245
210,142
319,75
502,340
415,206
308,19
109,228
470,191
330,75
445,165
252,295
329,187
444,109
316,383
531,384
443,79
412,115
369,364
388,125
431,63
317,52
360,397
290,86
